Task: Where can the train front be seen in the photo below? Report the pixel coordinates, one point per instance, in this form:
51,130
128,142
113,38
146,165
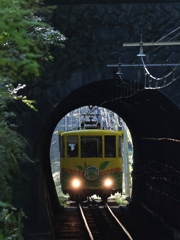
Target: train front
91,163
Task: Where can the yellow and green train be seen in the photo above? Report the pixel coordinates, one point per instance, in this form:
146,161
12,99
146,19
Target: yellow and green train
91,163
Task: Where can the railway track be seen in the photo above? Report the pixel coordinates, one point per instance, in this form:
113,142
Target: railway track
70,225
101,223
92,221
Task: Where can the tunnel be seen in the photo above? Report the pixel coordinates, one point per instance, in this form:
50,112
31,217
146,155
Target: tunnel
153,121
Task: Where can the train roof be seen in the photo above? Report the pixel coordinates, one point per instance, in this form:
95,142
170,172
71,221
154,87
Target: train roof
92,132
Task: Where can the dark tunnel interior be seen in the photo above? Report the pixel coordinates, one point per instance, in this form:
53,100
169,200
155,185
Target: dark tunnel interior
153,121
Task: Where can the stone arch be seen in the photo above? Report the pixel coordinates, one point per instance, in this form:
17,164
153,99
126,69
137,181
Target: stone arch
153,121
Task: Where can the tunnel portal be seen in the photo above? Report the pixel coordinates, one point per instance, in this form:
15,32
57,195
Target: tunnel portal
154,125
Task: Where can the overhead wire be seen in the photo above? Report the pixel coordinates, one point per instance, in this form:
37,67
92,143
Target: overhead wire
167,75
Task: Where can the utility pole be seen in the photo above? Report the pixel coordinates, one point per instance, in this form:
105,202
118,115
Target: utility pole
126,162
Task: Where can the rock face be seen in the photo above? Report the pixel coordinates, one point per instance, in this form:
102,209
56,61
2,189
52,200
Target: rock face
79,76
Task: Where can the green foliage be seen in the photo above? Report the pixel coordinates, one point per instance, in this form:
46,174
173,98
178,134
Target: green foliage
120,200
18,53
24,46
12,153
46,36
29,103
63,199
11,226
24,43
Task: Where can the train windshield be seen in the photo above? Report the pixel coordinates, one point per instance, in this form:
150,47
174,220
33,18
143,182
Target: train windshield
110,146
91,146
72,146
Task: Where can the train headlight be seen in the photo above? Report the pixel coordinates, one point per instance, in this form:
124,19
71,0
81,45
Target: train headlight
76,183
108,182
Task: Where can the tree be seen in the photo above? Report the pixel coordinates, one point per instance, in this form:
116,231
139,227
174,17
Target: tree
24,41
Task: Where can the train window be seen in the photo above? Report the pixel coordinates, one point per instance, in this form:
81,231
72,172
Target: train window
72,146
110,146
120,146
91,146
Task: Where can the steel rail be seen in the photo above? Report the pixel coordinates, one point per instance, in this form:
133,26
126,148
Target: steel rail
85,222
117,220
